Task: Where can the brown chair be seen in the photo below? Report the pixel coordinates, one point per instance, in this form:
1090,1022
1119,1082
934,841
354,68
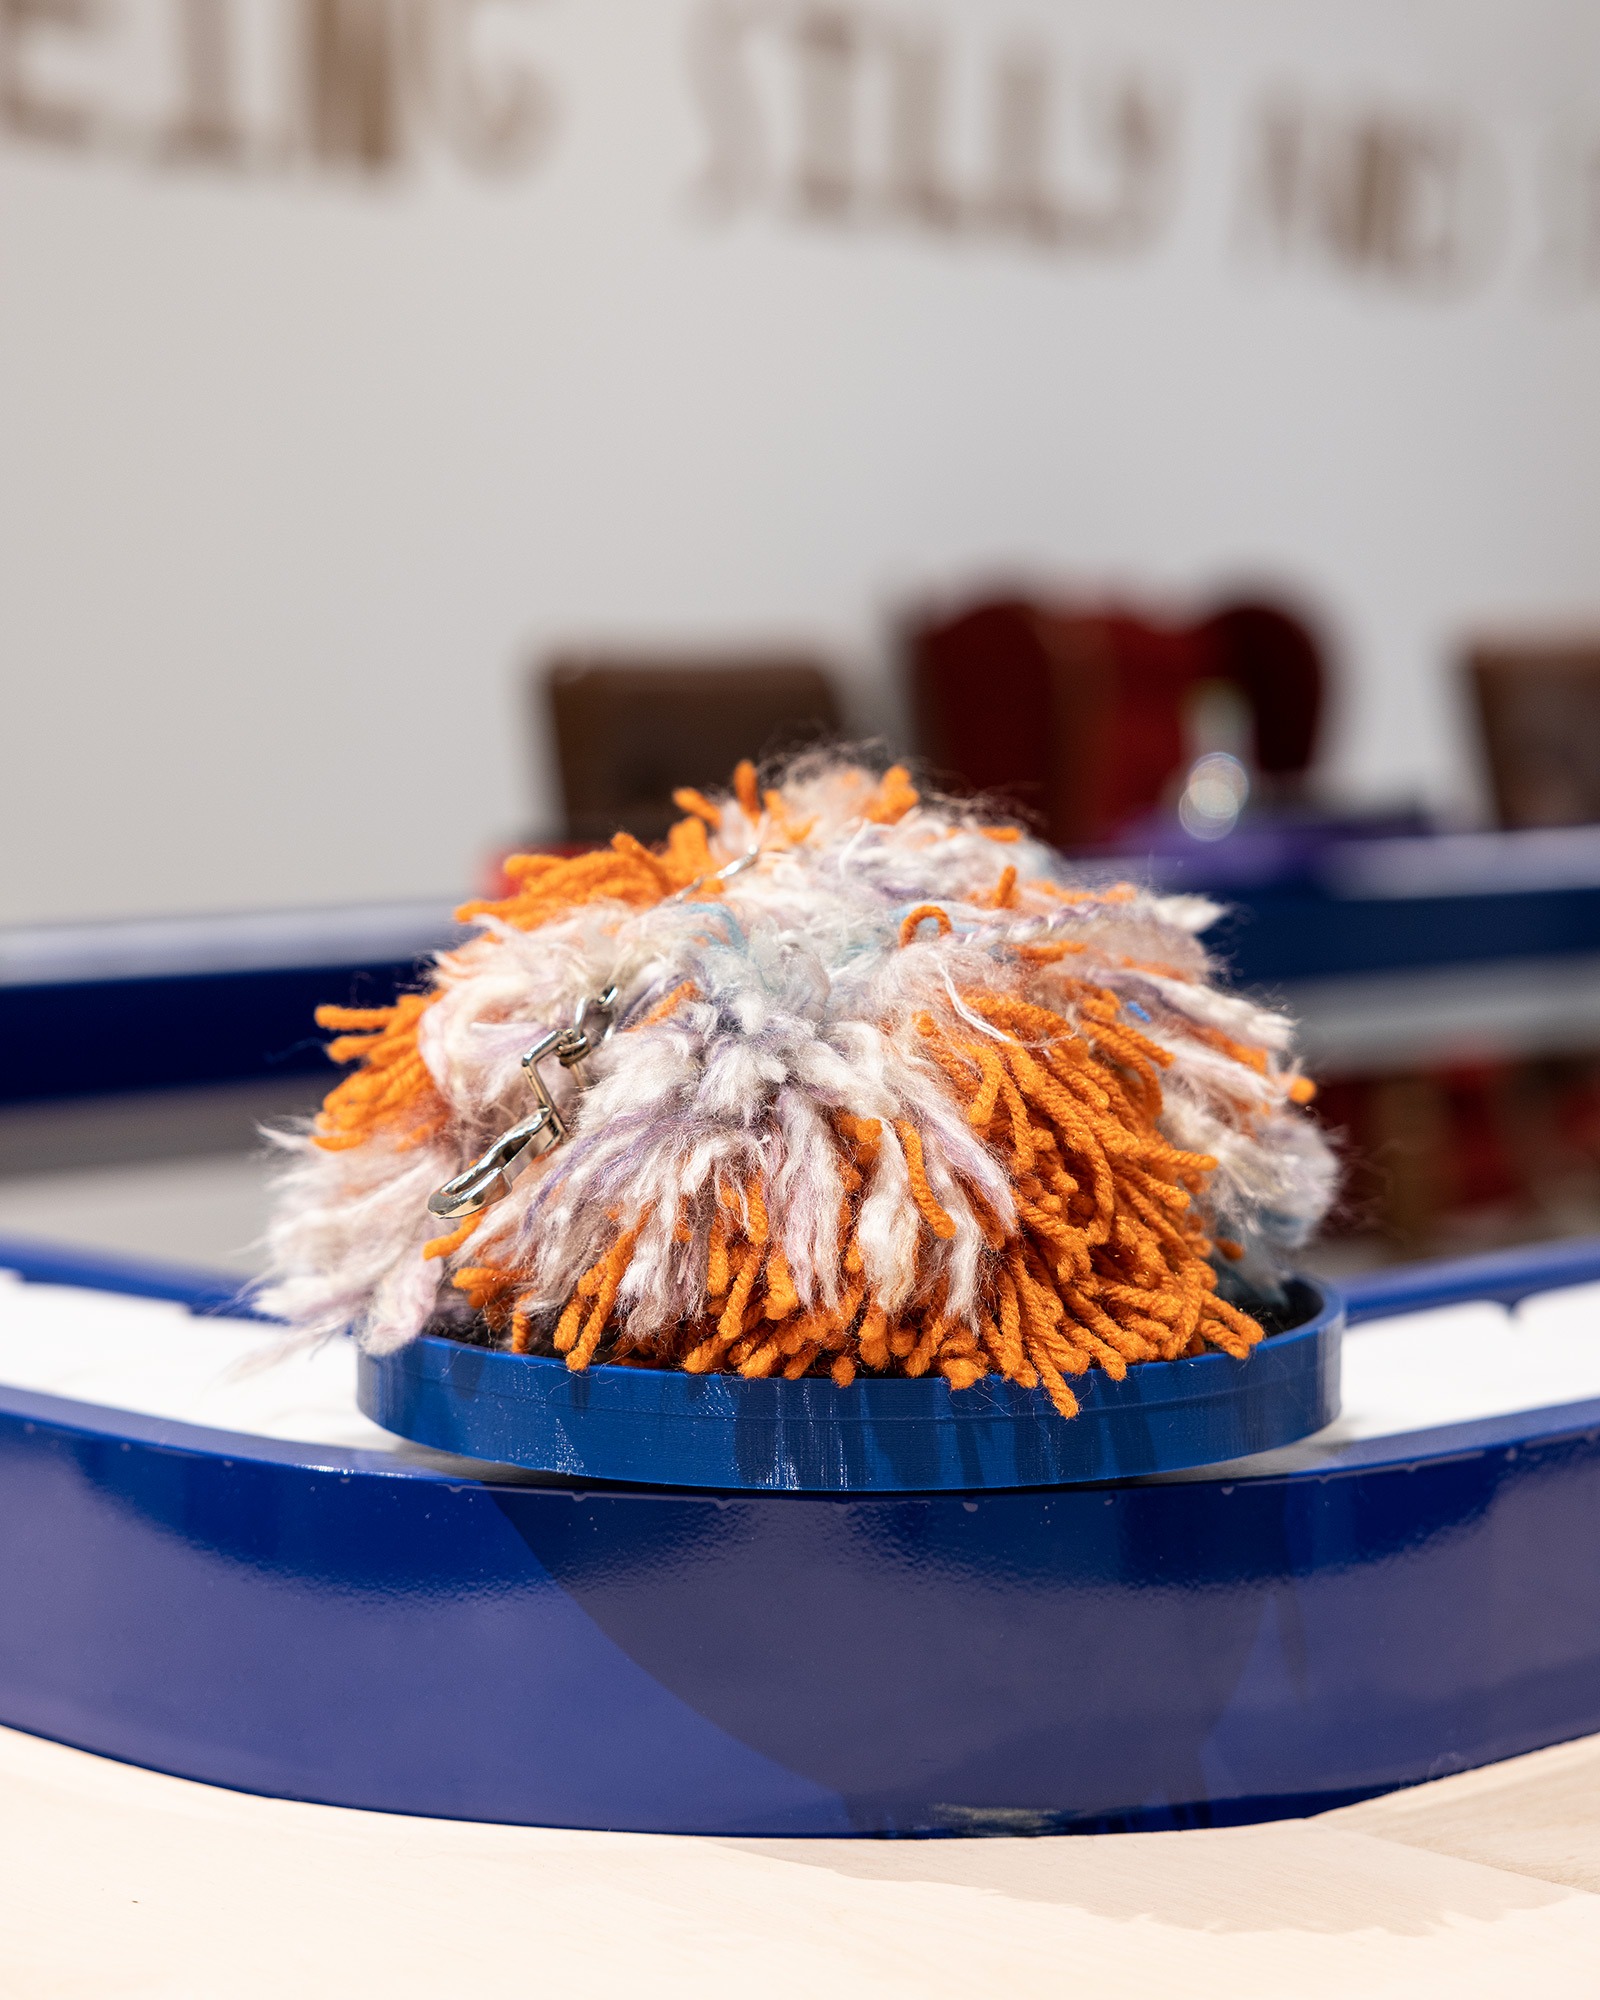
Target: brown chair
1539,712
630,729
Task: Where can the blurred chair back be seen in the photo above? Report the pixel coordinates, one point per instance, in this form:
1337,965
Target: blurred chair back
1276,664
1081,717
1539,711
630,729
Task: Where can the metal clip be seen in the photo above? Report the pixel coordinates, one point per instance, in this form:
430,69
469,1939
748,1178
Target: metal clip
490,1176
590,1026
725,873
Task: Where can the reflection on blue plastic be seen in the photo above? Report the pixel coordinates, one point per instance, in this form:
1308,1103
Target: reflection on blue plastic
1502,1275
176,1030
661,1427
339,1625
1269,935
211,1293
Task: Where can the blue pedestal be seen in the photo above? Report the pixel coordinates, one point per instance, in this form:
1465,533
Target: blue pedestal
1199,1649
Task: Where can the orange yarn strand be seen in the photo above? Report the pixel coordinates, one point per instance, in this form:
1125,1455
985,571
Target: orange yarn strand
688,800
894,798
938,1219
391,1092
447,1245
920,915
674,1000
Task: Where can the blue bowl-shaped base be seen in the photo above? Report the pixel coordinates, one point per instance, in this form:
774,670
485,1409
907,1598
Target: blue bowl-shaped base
660,1427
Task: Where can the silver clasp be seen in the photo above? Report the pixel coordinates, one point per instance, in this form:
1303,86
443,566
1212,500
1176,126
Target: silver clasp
725,873
490,1176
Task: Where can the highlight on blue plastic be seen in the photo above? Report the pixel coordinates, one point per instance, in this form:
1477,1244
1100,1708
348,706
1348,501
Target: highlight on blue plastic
661,1427
1504,1276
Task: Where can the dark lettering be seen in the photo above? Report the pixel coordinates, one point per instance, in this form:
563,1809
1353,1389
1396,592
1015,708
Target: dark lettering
918,186
496,118
206,127
1399,195
23,108
827,43
355,78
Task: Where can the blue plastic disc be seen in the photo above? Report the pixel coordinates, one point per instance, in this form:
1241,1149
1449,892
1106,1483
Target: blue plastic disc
660,1427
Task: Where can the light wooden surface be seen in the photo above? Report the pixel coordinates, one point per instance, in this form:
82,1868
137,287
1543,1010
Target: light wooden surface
1538,1816
117,1882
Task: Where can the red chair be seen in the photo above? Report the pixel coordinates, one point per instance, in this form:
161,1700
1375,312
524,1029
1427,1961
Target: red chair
1082,717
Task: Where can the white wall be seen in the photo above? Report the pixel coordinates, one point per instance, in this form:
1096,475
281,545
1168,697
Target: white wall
301,461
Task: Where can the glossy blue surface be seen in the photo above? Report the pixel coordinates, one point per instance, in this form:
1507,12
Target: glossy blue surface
1502,1275
1299,932
171,1030
664,1428
345,1626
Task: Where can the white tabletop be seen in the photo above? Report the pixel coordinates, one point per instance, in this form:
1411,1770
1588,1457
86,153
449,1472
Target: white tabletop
1446,1366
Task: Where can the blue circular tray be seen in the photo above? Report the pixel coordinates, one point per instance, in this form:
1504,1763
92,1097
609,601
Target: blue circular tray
660,1427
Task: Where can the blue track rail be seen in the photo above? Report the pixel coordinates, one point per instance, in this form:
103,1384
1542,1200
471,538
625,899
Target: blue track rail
375,1630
